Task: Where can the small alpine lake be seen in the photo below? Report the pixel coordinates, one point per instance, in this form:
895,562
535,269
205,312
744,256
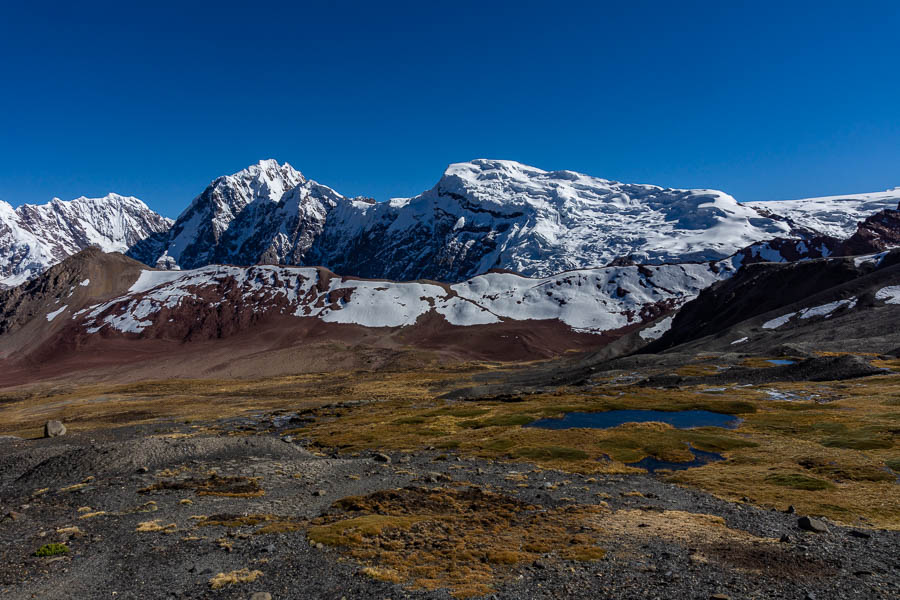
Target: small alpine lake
683,419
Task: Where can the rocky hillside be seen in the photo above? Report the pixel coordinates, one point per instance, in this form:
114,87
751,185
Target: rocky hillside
34,237
834,304
94,305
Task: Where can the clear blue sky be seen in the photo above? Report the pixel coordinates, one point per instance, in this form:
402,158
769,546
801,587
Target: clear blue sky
766,100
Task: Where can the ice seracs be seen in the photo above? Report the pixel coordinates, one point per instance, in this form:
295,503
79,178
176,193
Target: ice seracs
836,216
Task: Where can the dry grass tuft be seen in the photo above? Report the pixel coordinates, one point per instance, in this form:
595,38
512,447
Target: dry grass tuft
234,577
155,525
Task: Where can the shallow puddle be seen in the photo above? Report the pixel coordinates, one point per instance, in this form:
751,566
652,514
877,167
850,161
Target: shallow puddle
781,362
683,419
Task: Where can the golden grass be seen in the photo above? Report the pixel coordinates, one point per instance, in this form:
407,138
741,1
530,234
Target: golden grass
234,577
155,525
464,539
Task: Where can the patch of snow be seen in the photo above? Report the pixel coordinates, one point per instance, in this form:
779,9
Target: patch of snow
85,283
55,313
150,279
778,321
889,295
870,258
825,310
657,330
743,339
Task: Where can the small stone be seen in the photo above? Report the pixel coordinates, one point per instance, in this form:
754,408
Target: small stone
810,524
12,516
287,439
319,493
381,457
785,539
404,460
320,546
261,596
143,470
479,471
54,429
790,509
269,548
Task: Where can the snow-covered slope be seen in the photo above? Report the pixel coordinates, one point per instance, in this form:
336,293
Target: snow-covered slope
34,237
836,216
589,301
481,215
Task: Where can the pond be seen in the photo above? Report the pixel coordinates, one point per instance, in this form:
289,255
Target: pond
782,362
701,458
683,419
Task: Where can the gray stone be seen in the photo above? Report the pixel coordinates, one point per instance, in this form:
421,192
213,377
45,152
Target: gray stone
810,524
54,429
319,493
380,457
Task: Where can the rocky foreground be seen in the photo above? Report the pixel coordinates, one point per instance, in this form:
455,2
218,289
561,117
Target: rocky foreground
236,509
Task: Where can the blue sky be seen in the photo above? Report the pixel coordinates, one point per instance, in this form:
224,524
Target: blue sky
763,100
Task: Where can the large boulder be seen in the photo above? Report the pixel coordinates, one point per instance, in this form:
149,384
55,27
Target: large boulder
54,429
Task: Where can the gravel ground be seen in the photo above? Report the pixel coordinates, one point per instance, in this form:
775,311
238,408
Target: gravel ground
109,559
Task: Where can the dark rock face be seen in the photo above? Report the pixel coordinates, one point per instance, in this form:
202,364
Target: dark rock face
789,249
876,234
755,289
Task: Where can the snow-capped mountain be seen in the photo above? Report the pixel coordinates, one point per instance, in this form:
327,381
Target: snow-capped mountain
836,216
194,238
481,215
34,237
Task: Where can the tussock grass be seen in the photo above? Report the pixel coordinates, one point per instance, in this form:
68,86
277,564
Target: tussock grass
54,549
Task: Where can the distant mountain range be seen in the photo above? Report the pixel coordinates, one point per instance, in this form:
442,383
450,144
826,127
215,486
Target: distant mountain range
269,272
33,238
481,215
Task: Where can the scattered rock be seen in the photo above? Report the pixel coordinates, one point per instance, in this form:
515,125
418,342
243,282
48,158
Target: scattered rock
810,524
785,539
319,493
54,429
381,457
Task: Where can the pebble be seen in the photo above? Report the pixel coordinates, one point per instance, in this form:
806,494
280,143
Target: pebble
54,429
